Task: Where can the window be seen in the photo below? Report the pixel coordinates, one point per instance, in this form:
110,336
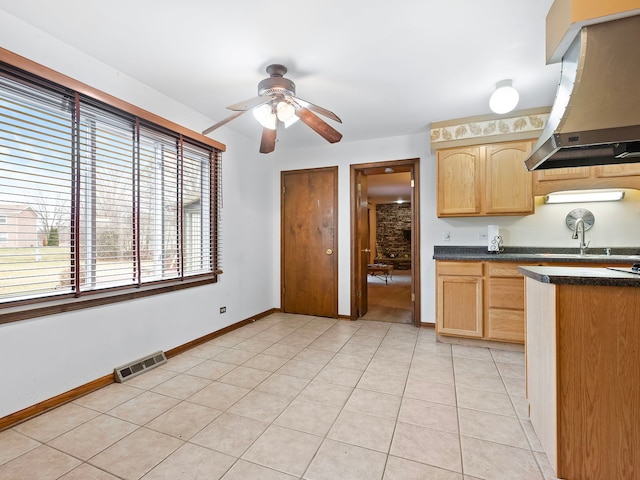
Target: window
97,198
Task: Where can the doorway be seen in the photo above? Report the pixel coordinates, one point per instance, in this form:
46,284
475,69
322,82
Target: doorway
385,295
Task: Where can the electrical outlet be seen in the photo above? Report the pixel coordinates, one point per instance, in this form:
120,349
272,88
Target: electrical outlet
482,236
446,236
223,309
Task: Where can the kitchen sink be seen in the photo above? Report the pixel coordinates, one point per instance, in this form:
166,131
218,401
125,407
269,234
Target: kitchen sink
631,258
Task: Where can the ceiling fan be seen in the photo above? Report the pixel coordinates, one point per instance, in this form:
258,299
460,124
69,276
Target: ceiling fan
276,103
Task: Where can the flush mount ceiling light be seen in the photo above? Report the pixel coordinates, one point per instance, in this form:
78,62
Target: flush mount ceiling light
585,196
504,98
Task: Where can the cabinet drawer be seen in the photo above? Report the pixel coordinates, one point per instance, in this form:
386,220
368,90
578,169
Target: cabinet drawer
506,293
501,269
459,268
505,325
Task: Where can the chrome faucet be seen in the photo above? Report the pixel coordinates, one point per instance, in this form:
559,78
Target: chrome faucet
580,227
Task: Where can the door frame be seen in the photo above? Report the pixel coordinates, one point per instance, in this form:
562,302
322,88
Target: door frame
411,165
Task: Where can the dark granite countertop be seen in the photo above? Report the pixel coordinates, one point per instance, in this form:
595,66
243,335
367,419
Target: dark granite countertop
625,256
603,277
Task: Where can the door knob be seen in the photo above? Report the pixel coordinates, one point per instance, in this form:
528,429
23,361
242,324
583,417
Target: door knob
367,250
329,251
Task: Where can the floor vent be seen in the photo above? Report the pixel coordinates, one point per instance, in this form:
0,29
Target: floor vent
135,368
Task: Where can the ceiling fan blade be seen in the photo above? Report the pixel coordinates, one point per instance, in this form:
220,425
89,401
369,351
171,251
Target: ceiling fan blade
330,134
222,122
268,141
251,103
317,109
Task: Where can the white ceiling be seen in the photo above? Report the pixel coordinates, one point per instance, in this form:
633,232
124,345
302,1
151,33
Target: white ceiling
386,68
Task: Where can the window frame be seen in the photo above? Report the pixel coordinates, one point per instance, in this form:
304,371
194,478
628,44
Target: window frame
21,309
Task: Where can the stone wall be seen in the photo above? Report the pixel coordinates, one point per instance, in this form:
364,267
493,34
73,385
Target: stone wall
393,230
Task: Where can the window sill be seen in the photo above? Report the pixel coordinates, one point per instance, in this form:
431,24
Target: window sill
14,313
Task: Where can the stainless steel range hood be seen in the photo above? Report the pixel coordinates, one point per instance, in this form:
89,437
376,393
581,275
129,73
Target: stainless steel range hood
595,119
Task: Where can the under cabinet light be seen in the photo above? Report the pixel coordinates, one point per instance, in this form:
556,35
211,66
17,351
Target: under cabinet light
585,196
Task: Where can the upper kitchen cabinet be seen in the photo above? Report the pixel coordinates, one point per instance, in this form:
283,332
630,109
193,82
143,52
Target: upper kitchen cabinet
484,180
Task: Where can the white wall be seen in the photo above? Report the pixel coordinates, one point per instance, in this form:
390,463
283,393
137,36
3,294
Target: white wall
47,356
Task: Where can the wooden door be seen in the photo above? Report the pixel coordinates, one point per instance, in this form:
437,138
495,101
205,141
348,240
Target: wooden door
309,242
362,239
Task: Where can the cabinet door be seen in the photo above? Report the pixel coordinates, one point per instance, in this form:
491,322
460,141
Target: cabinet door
458,181
508,184
459,305
555,174
620,170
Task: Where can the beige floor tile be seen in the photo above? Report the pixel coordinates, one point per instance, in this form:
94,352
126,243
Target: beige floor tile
386,352
432,374
253,345
184,420
340,376
136,454
321,357
403,469
51,424
474,399
388,367
181,363
87,472
108,397
283,449
143,408
308,417
485,367
181,386
490,383
42,463
245,377
430,346
234,356
516,387
230,434
327,345
479,353
352,348
339,460
492,461
374,403
268,363
300,368
150,379
507,356
244,470
428,414
228,340
521,406
284,351
298,340
219,395
13,444
380,382
325,393
492,427
347,360
283,385
511,370
545,466
530,433
363,430
210,369
433,360
261,406
430,391
409,442
366,339
192,462
92,437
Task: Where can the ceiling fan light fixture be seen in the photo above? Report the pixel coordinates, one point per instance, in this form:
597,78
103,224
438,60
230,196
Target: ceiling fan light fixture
285,111
265,116
504,98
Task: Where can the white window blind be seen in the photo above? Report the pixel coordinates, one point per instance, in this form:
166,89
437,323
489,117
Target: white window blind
95,198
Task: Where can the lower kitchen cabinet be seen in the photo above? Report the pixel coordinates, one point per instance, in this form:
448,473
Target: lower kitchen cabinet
459,298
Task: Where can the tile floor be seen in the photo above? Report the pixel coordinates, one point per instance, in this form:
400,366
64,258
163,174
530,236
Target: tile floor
296,397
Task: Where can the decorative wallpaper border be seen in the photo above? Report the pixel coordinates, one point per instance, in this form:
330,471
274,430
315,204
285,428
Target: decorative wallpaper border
463,130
